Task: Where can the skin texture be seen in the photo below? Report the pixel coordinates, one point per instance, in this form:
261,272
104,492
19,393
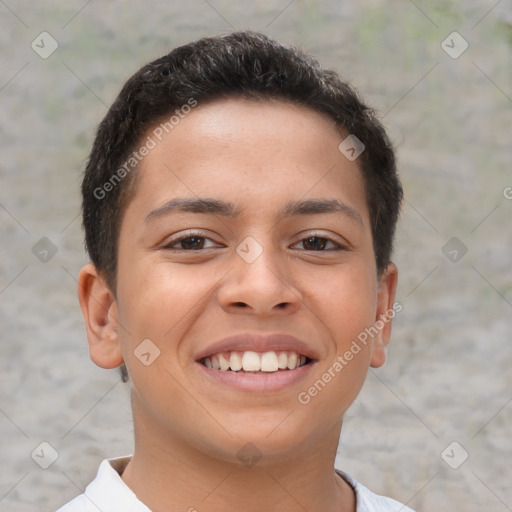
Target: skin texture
188,430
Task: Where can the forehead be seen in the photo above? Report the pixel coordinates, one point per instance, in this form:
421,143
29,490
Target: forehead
237,149
237,123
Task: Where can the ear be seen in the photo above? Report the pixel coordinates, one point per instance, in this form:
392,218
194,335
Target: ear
385,312
99,308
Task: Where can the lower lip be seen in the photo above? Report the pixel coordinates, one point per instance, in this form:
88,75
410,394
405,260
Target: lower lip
261,382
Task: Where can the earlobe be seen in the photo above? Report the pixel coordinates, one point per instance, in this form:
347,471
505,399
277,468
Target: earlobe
99,309
385,313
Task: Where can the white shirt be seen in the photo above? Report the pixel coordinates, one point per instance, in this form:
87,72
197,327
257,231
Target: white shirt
108,493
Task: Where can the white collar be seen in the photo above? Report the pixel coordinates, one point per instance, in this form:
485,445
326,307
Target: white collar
108,493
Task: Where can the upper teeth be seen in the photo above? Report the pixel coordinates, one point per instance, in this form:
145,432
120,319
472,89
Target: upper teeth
250,361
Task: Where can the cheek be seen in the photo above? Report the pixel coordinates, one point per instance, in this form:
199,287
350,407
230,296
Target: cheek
159,298
346,301
158,307
350,310
159,304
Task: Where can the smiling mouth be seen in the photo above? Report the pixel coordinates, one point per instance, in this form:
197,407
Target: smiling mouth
255,362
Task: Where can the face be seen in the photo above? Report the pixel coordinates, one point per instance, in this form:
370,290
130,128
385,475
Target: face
247,244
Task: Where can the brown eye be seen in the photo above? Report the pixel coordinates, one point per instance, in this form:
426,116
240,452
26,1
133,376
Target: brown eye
314,243
319,244
192,242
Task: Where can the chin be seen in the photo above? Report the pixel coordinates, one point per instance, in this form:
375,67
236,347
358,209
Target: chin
256,441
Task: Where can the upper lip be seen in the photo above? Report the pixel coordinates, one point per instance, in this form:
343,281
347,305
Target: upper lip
258,342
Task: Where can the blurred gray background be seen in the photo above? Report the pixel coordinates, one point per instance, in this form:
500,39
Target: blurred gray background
448,110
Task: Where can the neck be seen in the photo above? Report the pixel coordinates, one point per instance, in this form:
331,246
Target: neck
169,475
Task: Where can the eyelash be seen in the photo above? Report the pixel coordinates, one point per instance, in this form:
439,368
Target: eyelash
337,246
191,234
182,239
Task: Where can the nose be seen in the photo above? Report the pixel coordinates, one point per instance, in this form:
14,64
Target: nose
262,287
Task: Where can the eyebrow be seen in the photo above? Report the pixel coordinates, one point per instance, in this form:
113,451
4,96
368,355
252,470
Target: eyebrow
225,209
315,206
195,206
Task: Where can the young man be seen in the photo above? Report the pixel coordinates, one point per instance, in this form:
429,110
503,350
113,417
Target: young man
239,207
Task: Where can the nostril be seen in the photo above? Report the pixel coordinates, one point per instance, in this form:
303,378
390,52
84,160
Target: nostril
240,304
